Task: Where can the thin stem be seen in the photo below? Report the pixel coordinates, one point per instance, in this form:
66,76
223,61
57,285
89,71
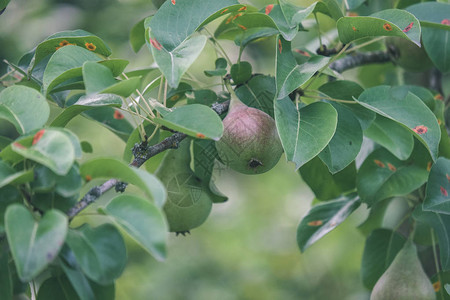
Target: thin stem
216,43
7,74
326,66
318,31
160,89
364,44
165,93
436,262
136,114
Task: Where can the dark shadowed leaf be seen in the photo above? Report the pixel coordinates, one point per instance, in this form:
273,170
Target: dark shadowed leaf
382,175
323,218
381,247
99,251
438,186
258,92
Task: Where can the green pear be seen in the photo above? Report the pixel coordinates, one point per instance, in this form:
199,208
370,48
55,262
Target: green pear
405,278
188,200
250,143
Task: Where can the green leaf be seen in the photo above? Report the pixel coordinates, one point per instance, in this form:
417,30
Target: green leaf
392,136
34,244
99,79
99,251
289,75
65,64
57,288
288,17
6,283
137,36
348,90
304,133
221,68
346,142
8,175
142,220
389,22
173,64
76,37
24,107
114,168
84,288
435,34
438,186
258,92
323,218
381,247
54,148
174,23
382,176
195,120
330,8
407,109
112,119
441,225
83,104
117,66
325,185
3,4
241,72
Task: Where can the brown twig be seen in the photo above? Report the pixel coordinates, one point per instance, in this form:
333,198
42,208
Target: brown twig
359,59
142,153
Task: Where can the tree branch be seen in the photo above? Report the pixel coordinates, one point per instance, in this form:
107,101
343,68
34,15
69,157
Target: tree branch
365,58
142,152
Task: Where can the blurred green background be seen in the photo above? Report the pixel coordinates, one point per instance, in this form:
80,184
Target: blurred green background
247,248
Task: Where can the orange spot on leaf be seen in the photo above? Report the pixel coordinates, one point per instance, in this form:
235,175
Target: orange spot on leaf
429,165
392,167
445,22
437,286
229,20
200,135
444,191
237,16
280,46
242,26
315,223
387,27
269,9
224,11
354,28
242,8
90,46
352,14
448,177
379,163
439,97
20,146
88,178
408,28
38,136
301,52
173,2
118,115
155,44
64,43
420,129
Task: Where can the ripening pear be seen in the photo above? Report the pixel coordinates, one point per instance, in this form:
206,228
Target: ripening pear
188,200
250,143
405,278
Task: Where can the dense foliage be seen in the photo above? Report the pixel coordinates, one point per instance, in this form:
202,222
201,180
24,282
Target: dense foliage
353,146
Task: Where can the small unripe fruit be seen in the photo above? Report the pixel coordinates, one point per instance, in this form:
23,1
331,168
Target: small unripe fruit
405,278
250,143
188,202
